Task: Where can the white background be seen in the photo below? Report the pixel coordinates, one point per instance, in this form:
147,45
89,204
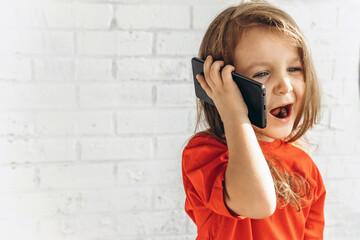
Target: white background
97,102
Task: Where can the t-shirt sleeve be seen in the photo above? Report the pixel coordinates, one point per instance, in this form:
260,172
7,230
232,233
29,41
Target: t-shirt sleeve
204,164
315,222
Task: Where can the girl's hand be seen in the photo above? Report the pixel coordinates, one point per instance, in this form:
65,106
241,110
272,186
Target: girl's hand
222,89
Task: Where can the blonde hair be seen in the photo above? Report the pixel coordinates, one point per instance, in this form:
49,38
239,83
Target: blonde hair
220,40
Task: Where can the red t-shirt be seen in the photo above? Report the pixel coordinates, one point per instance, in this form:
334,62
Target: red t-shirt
204,163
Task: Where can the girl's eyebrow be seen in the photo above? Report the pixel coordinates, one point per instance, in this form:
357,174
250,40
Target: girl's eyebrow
256,64
295,60
268,63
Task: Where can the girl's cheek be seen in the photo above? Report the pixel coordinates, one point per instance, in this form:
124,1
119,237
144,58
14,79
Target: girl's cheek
300,88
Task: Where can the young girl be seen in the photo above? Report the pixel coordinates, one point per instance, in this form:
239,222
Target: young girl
243,182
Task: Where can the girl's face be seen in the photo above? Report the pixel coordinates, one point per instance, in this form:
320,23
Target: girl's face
270,58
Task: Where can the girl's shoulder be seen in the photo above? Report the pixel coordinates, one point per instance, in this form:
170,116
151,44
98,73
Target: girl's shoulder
203,147
205,137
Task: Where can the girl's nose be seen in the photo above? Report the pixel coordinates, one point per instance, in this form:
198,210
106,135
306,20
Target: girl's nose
283,86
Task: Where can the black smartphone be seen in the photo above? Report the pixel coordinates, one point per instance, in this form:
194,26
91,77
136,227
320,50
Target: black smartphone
252,91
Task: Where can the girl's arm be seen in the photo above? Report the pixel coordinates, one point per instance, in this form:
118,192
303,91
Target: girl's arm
249,189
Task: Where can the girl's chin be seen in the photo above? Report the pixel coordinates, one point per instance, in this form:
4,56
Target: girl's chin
274,130
269,136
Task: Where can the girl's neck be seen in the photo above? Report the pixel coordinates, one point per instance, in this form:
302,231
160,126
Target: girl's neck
264,138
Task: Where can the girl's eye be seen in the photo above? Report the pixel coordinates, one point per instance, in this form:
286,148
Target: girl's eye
262,74
294,69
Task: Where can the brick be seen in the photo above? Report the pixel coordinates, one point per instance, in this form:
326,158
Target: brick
16,123
54,69
153,69
151,121
356,194
76,176
343,117
10,228
94,16
59,15
204,14
93,69
37,150
134,43
166,222
318,15
297,11
172,197
193,121
322,44
339,190
44,204
113,200
17,178
114,43
337,170
325,141
45,42
28,205
95,123
115,148
178,43
324,68
15,68
325,115
96,43
323,16
347,16
20,15
147,173
345,68
332,44
322,163
109,96
37,42
152,16
76,15
347,137
55,123
333,209
191,227
170,146
338,93
353,170
175,95
11,42
78,227
45,96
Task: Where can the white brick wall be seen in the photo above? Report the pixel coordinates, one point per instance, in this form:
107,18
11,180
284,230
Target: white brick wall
97,102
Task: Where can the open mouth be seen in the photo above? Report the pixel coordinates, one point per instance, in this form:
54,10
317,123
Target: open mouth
281,112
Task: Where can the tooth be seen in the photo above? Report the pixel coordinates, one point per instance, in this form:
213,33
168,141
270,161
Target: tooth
283,112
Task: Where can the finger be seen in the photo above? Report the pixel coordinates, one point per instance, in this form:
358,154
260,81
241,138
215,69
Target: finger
207,65
215,73
204,84
226,74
